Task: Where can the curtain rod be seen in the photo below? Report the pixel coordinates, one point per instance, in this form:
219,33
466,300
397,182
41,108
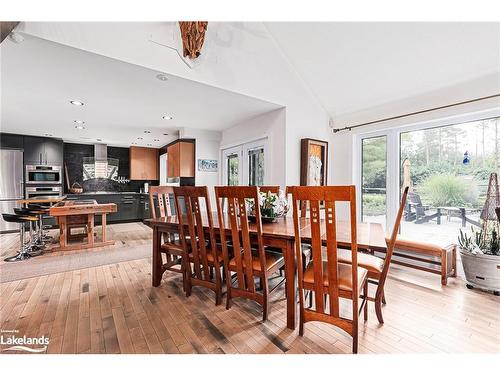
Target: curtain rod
415,113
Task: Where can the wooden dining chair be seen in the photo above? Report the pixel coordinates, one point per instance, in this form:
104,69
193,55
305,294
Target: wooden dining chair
327,278
247,263
171,247
204,259
377,267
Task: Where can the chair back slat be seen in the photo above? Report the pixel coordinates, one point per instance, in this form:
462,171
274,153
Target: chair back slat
331,238
303,204
237,218
193,223
162,195
324,232
317,261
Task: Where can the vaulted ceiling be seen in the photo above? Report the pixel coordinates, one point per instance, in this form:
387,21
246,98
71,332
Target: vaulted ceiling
353,67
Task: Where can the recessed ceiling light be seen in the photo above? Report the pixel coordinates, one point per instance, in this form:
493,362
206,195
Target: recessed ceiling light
149,144
167,117
98,139
140,138
79,122
162,77
147,131
156,140
48,135
79,127
134,143
165,133
76,102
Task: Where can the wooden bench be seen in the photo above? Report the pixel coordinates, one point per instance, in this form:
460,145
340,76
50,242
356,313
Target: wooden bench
408,252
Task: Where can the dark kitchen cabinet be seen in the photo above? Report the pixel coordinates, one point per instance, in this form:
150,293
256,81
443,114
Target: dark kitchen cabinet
11,141
44,151
144,207
34,150
54,151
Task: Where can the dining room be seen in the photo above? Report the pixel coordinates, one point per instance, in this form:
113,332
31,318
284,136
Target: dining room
221,187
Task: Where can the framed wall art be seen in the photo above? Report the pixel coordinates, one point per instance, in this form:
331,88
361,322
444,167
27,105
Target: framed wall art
207,165
313,162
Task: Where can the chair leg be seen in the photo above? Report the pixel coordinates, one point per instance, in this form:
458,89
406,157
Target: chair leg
355,333
265,307
378,306
365,296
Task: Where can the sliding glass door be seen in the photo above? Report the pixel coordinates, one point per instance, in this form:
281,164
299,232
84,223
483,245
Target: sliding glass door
447,169
446,164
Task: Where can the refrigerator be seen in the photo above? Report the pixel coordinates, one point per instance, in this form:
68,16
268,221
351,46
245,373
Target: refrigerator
11,184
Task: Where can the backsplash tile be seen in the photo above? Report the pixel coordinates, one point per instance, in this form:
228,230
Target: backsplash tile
73,158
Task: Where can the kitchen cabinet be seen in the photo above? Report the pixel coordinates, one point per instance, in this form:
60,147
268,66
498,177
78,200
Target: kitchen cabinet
11,141
44,151
144,163
180,159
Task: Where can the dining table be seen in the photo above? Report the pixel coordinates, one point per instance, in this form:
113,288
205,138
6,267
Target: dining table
277,235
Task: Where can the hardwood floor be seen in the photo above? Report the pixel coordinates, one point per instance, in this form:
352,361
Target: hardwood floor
114,309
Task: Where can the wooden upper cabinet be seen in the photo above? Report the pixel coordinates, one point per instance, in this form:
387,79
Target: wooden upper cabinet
180,159
144,163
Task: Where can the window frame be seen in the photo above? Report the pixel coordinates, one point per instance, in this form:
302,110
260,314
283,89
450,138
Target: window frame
393,155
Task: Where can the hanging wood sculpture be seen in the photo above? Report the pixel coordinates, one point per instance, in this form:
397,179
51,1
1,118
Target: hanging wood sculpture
193,36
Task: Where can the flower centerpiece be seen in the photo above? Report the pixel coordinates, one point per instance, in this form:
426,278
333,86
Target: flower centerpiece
272,206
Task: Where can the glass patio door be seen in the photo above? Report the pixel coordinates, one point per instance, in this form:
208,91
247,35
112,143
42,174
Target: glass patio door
374,179
245,164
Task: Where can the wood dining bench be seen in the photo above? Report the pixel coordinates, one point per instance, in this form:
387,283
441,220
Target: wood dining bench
425,256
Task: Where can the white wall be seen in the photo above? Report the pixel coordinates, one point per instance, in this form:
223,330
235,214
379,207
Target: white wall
272,126
207,147
240,57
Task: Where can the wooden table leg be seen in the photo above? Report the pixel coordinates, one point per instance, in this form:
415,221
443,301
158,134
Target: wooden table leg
157,261
63,239
90,229
291,285
103,225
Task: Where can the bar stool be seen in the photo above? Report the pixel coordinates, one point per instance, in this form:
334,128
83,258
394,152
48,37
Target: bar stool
36,245
39,210
24,249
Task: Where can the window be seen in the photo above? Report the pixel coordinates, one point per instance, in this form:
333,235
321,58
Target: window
374,172
245,164
447,169
233,163
446,163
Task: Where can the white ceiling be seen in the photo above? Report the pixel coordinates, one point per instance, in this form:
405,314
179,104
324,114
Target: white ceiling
358,66
39,78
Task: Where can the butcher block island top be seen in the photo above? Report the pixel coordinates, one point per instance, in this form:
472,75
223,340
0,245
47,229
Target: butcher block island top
72,215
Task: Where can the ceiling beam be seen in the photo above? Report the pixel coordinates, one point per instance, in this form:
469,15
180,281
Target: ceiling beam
6,28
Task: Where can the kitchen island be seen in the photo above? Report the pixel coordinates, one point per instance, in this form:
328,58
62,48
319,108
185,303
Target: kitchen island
81,214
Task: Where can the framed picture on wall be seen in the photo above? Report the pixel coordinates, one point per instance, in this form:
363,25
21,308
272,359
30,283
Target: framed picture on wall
313,162
207,165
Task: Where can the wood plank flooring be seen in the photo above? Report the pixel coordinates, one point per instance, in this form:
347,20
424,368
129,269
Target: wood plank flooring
114,309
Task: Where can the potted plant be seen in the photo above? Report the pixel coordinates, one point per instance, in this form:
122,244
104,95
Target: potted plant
480,256
272,206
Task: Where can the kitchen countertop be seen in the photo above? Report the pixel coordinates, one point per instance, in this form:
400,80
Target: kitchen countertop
108,193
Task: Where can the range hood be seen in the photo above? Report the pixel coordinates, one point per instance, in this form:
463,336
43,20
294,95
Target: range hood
100,166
